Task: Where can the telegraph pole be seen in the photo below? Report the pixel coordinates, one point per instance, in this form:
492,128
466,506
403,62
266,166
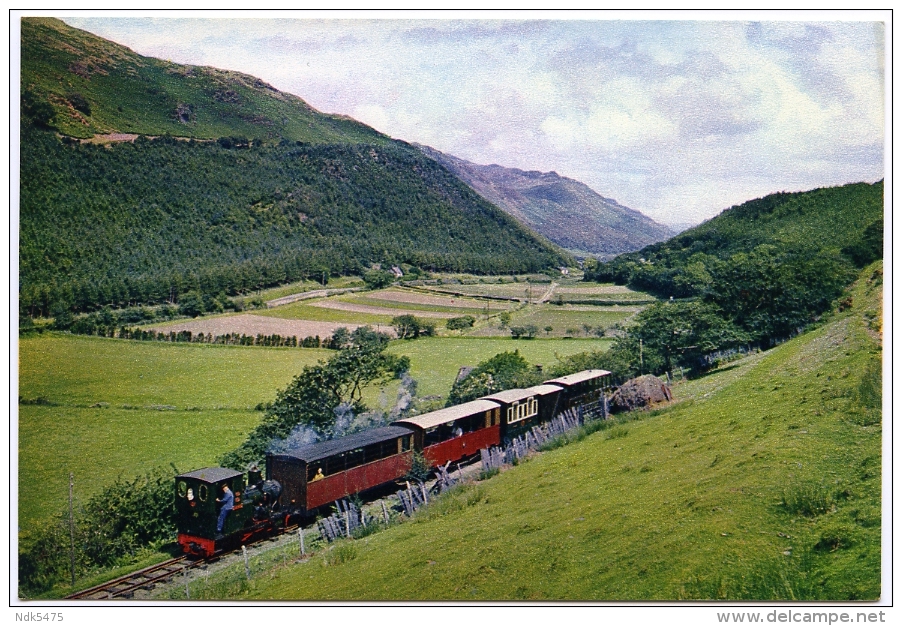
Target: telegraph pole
71,531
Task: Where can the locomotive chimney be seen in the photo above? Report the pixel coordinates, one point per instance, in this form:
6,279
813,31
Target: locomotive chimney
254,476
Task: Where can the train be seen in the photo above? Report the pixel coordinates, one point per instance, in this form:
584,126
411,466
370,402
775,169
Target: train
303,480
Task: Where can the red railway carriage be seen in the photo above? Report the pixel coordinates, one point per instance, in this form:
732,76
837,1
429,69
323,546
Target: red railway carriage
321,473
580,389
521,409
456,432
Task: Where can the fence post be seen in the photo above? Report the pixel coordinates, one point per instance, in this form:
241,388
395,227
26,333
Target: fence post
301,540
187,591
247,567
384,512
71,530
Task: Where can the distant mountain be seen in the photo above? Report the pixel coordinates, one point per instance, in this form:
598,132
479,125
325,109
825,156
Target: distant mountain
216,182
564,210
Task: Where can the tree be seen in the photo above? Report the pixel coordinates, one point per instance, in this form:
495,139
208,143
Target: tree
378,279
407,326
773,293
191,304
505,319
35,111
548,329
505,370
678,333
313,395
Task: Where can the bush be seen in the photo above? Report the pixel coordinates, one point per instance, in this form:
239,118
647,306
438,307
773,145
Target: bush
460,323
114,525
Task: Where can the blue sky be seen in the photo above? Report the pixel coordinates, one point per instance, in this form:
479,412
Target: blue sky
677,119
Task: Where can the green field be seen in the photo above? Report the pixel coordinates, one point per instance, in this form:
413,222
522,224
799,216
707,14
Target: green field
562,319
304,311
104,408
304,286
763,483
109,408
434,362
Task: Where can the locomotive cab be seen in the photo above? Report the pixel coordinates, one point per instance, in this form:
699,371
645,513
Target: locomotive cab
255,508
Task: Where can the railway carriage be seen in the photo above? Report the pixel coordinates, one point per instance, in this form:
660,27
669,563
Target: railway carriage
521,409
308,477
581,389
320,473
456,432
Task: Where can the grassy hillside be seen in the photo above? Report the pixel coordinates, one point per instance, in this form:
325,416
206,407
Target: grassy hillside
95,86
763,483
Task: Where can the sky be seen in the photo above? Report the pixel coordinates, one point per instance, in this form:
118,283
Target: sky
677,119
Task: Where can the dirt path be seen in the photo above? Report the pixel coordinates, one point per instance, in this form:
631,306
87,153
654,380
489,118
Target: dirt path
547,295
318,293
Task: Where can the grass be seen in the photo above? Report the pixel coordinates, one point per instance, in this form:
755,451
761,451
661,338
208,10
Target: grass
304,311
436,361
103,408
562,319
100,445
304,286
686,503
82,371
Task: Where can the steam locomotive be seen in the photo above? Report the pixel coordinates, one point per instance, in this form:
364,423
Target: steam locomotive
306,478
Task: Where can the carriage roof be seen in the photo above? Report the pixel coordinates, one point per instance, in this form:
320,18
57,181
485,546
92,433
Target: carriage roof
449,414
514,395
324,449
579,377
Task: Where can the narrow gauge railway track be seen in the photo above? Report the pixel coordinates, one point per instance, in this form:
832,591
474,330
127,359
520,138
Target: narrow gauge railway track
125,586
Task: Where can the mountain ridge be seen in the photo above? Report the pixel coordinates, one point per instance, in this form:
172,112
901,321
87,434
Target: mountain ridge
96,86
562,209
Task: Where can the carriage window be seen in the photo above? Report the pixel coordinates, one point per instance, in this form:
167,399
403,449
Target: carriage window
182,489
354,458
372,452
406,443
202,493
522,411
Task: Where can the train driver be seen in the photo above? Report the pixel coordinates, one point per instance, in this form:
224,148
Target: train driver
227,501
319,475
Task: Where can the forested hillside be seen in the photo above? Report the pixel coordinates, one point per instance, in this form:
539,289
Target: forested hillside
146,221
754,275
845,223
219,183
